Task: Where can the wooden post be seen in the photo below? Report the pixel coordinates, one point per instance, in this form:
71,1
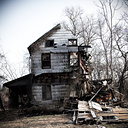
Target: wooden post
1,104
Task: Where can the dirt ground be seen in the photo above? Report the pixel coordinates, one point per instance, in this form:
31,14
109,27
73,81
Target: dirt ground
11,119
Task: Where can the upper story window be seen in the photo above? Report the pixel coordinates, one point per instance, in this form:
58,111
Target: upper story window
49,43
46,60
72,42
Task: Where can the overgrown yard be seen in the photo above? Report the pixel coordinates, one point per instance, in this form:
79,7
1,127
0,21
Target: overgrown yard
12,120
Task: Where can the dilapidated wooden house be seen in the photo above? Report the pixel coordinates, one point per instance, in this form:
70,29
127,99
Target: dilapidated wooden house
60,80
57,63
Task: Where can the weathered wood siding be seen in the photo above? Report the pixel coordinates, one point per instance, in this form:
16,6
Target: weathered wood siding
59,55
57,76
59,93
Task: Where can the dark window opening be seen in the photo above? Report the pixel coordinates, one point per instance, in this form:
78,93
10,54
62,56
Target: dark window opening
73,57
108,118
49,43
46,61
81,111
84,111
46,92
107,109
72,42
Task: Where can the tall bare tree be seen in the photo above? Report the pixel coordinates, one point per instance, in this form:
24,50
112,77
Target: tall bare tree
121,47
79,25
125,14
5,68
107,11
73,16
102,33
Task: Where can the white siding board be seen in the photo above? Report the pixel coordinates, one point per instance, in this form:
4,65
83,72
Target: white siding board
59,55
60,91
37,92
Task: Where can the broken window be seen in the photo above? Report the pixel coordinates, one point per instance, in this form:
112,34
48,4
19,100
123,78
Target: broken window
72,42
49,43
46,61
46,92
73,59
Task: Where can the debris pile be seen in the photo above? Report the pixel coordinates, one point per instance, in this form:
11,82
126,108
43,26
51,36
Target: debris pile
94,101
103,106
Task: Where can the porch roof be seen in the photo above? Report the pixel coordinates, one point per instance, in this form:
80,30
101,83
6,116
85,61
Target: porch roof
21,81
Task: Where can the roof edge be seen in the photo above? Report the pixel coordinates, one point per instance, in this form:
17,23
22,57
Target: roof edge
19,78
58,26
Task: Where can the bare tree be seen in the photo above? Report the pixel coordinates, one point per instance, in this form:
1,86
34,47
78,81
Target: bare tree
24,67
98,64
8,71
107,11
113,36
102,34
73,15
81,26
121,46
125,15
5,68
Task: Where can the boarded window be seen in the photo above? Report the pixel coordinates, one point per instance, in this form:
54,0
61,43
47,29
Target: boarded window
46,61
72,42
49,43
73,57
46,92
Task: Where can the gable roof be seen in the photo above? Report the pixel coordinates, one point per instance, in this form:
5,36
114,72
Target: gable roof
58,26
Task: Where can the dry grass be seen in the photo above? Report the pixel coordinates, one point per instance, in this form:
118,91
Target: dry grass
12,120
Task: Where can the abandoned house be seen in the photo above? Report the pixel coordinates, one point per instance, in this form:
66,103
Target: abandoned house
58,69
60,80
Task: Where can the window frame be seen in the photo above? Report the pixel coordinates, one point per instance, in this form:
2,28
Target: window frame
72,42
46,63
49,43
46,92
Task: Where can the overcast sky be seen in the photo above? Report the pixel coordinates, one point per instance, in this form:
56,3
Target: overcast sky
24,21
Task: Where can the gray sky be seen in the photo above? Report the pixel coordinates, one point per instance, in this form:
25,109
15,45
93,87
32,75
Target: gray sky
24,21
